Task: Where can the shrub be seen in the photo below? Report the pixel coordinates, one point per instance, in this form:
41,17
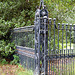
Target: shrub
15,60
6,49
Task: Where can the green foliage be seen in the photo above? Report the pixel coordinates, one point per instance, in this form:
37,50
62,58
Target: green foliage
3,62
5,27
20,13
16,60
6,49
62,10
13,14
26,72
22,71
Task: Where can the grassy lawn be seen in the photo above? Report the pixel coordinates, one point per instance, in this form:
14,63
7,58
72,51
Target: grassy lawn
68,46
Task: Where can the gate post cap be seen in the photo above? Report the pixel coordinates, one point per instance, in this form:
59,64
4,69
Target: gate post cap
74,24
54,19
66,24
70,24
50,18
62,23
58,23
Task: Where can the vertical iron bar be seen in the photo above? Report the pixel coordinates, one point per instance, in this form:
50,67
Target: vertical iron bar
72,63
66,48
64,61
37,42
70,48
56,61
73,49
60,62
51,61
58,45
54,42
45,45
33,38
39,48
70,36
49,41
62,45
68,61
54,32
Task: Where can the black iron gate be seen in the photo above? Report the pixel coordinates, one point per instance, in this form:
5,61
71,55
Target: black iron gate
54,45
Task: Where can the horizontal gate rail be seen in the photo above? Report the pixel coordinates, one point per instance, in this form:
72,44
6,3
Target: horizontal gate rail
24,29
58,56
29,52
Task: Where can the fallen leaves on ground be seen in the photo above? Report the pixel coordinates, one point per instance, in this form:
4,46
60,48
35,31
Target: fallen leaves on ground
10,69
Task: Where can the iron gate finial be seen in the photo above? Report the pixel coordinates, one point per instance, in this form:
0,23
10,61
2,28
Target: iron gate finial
41,4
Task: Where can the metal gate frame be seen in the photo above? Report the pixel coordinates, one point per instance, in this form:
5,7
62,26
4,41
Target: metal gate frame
41,39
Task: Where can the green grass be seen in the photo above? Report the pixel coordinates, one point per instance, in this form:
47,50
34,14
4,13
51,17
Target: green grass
68,45
26,72
22,71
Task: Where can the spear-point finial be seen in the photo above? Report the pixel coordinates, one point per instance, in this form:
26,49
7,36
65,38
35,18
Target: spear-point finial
41,4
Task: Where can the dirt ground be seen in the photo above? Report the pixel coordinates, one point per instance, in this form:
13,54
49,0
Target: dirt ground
9,69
